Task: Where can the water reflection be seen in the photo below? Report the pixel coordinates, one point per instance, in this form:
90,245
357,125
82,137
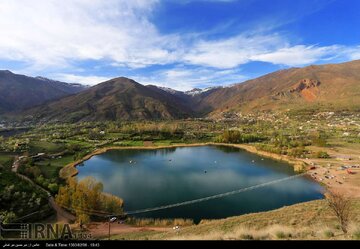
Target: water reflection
150,178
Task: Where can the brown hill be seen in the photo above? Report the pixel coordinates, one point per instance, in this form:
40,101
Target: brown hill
18,92
332,85
116,99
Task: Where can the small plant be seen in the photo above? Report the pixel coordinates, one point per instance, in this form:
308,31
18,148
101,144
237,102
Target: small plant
329,234
246,237
322,154
280,235
356,234
341,207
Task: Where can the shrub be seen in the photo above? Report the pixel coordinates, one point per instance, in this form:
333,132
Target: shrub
246,237
53,187
231,136
322,154
7,217
328,234
356,234
282,235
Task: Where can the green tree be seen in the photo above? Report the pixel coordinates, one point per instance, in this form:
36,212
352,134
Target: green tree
322,154
7,216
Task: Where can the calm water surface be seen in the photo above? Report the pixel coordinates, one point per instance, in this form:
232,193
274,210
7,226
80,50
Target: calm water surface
167,176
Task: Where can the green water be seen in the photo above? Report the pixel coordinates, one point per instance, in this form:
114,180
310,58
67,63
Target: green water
166,176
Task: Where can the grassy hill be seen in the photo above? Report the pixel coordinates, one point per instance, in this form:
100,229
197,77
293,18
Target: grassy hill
311,220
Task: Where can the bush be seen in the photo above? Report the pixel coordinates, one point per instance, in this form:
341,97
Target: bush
319,141
233,136
356,234
282,235
7,217
246,237
328,234
83,218
159,222
322,154
298,152
53,187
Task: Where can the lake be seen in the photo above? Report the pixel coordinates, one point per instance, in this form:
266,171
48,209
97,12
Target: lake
151,178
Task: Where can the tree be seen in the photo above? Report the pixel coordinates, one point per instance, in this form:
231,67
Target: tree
85,198
83,218
322,154
7,216
53,187
341,207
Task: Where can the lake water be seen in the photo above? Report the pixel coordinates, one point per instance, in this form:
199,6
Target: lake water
166,176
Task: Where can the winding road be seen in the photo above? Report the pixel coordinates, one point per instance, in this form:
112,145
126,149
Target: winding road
62,216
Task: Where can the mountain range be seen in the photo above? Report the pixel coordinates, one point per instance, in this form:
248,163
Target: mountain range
19,92
332,86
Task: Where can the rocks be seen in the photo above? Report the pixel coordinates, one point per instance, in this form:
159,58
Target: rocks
305,84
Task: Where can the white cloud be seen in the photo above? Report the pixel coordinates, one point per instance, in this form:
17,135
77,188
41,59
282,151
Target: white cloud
54,33
298,55
232,52
85,80
275,49
354,53
187,78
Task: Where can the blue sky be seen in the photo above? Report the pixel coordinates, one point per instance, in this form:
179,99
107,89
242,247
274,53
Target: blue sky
180,44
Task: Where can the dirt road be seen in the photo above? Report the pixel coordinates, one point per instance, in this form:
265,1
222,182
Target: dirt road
101,230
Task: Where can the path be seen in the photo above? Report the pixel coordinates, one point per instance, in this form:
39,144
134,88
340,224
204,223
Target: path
101,230
62,215
16,164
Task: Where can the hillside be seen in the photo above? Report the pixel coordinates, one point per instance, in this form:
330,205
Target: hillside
333,85
119,98
304,221
18,92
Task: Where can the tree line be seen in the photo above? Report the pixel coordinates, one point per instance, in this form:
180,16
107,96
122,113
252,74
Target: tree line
86,199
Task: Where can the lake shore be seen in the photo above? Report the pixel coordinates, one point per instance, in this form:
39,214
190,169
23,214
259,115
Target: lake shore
71,171
346,186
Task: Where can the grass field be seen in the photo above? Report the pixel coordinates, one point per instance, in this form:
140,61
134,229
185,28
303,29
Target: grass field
127,143
163,143
6,160
43,146
143,235
50,167
311,220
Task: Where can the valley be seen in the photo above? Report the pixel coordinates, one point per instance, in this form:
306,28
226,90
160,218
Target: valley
304,117
49,152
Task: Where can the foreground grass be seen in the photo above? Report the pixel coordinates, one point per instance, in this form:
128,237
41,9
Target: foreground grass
6,160
143,235
311,220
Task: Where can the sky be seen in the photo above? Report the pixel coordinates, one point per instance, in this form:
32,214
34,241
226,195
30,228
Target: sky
181,44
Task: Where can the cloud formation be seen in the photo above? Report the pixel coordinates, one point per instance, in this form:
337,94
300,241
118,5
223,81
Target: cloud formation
59,35
54,33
